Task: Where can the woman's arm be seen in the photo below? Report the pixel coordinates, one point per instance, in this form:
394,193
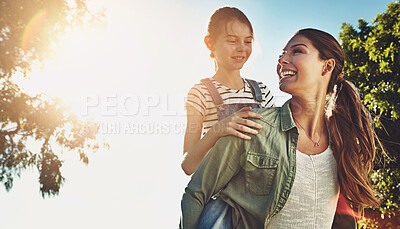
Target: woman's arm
196,148
218,168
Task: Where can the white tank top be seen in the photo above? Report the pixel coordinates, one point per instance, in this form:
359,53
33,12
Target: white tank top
313,197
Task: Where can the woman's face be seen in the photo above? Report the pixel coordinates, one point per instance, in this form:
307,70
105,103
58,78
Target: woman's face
300,68
233,47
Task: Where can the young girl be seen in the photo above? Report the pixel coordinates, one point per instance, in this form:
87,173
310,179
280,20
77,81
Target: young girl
210,104
291,173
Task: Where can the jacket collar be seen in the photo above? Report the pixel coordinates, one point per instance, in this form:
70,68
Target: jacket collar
287,122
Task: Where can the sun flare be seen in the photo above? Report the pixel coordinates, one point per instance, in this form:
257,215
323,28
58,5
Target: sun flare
79,63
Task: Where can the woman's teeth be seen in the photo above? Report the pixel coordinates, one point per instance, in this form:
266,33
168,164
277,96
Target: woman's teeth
287,73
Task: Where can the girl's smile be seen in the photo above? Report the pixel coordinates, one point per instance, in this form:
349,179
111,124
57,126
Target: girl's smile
233,47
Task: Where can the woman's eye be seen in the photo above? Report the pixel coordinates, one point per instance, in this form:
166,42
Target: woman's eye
281,55
231,41
248,42
297,51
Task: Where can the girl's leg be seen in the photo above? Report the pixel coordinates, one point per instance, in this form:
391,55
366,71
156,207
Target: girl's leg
216,215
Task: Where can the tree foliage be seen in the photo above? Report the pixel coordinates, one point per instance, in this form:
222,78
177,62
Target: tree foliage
29,34
373,65
372,60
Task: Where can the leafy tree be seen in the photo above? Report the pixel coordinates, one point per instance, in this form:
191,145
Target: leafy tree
373,64
28,35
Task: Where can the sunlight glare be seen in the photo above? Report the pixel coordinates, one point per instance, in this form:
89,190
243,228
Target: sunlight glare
32,29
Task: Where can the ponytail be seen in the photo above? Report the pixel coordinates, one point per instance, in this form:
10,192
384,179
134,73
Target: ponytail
350,126
352,137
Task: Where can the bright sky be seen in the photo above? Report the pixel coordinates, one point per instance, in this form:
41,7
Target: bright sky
133,77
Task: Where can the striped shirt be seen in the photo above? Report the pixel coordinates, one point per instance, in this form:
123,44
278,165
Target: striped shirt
200,98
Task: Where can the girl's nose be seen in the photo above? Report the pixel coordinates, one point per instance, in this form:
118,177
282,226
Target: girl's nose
240,46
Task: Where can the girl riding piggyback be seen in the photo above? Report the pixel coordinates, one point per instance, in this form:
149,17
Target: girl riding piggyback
220,105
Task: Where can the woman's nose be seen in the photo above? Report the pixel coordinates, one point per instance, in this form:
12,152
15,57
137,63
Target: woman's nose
282,58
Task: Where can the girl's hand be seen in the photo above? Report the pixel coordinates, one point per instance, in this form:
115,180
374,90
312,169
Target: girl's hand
237,124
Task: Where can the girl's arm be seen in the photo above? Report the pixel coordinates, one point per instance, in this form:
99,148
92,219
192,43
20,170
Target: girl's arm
196,148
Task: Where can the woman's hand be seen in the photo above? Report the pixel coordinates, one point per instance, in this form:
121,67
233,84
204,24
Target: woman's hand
237,124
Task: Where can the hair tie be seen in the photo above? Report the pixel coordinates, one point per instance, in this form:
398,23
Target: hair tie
340,88
340,78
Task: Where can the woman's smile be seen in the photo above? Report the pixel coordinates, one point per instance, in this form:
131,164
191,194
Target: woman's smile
287,74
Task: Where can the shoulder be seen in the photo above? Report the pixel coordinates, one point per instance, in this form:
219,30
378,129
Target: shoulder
198,87
198,90
264,89
230,145
197,97
270,115
260,83
267,97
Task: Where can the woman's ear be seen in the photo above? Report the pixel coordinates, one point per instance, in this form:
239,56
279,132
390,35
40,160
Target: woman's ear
208,42
329,66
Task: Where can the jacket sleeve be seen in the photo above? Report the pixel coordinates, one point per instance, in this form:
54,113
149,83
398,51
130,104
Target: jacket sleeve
217,169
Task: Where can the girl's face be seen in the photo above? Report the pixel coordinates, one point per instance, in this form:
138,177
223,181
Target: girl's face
232,48
300,69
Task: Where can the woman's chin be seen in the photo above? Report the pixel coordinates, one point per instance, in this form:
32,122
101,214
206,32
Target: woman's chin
284,87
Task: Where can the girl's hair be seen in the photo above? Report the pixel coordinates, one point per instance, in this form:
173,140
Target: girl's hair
349,124
220,18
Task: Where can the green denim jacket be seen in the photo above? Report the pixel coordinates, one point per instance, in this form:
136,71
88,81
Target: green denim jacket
254,177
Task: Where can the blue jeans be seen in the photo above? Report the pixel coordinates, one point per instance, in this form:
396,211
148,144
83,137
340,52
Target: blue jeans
216,215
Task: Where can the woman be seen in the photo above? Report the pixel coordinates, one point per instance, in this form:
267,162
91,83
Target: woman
290,174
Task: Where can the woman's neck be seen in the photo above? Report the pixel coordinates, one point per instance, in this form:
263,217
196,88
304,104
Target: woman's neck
309,113
230,79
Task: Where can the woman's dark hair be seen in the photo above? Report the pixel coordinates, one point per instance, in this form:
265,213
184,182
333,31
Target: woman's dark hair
350,126
220,18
